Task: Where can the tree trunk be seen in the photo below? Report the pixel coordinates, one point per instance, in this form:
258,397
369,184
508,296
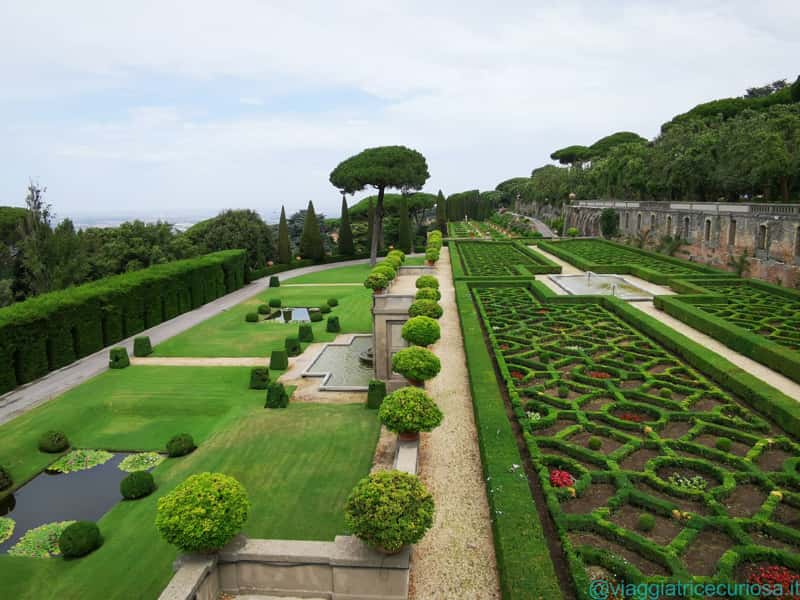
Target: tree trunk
785,188
377,228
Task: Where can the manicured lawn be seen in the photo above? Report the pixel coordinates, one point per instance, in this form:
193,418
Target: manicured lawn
297,472
349,274
228,334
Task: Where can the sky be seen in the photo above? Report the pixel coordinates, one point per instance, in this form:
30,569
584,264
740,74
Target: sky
162,108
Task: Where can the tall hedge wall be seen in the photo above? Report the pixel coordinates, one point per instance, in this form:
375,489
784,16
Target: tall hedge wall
52,330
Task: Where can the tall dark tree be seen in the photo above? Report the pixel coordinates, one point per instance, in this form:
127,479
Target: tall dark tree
381,168
311,240
441,213
346,247
284,250
404,226
35,231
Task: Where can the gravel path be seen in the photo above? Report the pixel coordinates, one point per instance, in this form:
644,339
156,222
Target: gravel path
456,557
26,397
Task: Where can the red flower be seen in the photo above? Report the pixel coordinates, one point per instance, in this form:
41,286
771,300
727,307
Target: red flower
503,346
559,478
632,417
517,375
774,575
599,374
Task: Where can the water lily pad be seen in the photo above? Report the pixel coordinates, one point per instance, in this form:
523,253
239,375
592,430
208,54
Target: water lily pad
40,542
80,460
143,461
6,528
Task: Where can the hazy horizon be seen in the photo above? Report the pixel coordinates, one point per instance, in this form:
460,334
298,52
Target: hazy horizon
176,109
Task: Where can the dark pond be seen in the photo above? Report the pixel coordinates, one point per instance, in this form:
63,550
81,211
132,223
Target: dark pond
49,497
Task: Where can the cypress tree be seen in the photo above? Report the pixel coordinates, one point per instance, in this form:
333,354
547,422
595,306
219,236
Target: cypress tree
311,240
370,222
441,213
345,232
404,226
284,251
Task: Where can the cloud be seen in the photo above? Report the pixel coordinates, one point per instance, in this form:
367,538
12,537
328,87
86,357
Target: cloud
164,97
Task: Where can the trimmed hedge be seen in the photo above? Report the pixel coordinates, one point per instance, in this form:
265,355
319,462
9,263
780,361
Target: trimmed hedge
292,345
137,485
524,564
305,333
6,481
251,317
279,360
259,378
274,302
277,397
118,358
50,331
180,445
332,325
376,392
274,281
142,346
315,315
79,539
53,442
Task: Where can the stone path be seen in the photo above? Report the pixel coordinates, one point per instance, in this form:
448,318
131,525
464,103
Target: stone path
773,378
26,397
456,557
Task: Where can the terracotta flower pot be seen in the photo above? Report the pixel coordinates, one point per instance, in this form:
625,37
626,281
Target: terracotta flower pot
408,436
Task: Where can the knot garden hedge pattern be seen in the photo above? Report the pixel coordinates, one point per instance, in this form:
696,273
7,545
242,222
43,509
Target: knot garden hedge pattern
641,433
502,259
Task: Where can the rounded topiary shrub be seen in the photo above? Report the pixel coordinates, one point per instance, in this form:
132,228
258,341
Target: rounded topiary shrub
332,325
203,513
6,481
421,331
305,333
277,397
595,443
416,363
427,281
428,294
251,317
665,393
315,315
274,281
79,539
279,360
376,281
259,378
376,392
53,441
409,410
137,485
142,346
724,444
389,509
118,358
264,309
324,309
333,302
180,445
385,270
292,345
646,522
431,255
274,302
425,308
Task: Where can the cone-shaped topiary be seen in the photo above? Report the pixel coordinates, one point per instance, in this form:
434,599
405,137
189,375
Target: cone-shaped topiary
389,509
427,281
311,240
305,333
292,345
180,445
137,485
277,397
332,325
203,513
426,308
409,410
279,360
376,392
416,363
118,358
79,539
142,346
284,249
421,331
259,378
346,247
53,441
